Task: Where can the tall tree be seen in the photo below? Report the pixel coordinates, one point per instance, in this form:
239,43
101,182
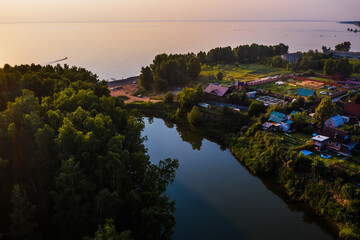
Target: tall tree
108,232
146,78
325,110
194,117
194,68
22,222
344,67
300,120
330,67
276,61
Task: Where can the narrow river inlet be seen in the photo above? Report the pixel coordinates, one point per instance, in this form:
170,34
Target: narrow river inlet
217,198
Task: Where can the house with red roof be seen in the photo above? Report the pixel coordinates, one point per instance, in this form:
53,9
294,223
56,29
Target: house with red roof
352,110
338,140
216,91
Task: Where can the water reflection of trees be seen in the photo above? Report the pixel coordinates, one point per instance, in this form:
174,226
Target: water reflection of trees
169,124
191,137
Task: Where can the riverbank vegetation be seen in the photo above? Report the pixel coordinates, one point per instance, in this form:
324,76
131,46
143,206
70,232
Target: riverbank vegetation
72,159
329,191
328,186
324,185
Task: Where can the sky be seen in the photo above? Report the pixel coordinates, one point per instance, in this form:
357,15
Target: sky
153,10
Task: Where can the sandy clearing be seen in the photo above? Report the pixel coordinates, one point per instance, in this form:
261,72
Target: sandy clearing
127,90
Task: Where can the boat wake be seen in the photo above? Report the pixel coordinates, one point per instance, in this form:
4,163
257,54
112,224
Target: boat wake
60,60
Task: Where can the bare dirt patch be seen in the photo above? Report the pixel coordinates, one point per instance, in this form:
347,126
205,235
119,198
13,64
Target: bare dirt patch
127,89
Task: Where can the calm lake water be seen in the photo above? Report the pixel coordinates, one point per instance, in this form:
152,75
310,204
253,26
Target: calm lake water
120,49
217,198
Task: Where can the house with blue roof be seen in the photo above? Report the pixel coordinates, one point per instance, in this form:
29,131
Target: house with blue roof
334,122
277,117
306,92
280,118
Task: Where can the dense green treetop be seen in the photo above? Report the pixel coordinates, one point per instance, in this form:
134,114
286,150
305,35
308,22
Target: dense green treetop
194,117
175,70
76,155
169,70
256,108
324,111
338,66
345,47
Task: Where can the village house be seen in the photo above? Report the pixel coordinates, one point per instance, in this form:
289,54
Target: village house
240,85
339,140
271,126
334,122
292,57
278,120
216,92
305,92
320,142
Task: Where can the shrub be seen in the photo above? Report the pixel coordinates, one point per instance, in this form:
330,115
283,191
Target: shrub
220,75
169,97
256,108
194,117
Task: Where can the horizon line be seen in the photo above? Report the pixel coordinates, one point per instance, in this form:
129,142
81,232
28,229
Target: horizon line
179,20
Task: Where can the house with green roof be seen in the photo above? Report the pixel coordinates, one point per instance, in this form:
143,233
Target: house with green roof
306,92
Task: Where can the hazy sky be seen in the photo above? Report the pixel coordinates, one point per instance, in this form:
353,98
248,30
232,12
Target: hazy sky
112,10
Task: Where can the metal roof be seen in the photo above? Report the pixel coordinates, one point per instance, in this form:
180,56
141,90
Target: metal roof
217,90
287,122
305,92
320,138
277,117
338,120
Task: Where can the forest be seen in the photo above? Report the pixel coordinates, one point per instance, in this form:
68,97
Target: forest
72,161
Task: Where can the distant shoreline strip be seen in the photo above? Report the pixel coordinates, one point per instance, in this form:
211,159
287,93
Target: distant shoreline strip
157,21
